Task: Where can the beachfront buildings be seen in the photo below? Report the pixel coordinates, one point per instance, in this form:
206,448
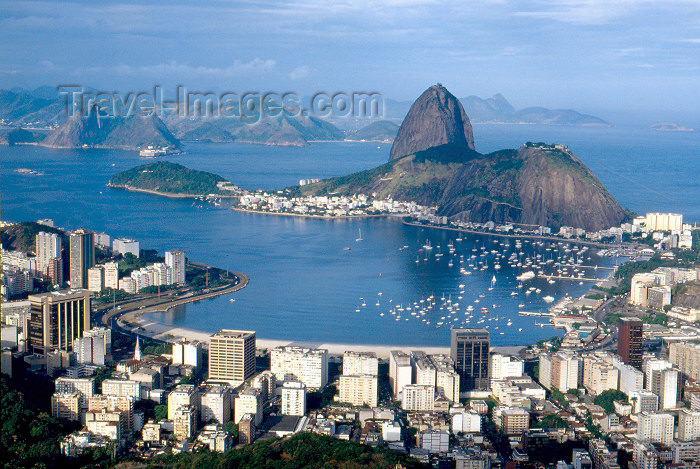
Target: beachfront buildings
231,356
664,221
58,318
188,353
400,372
175,259
307,365
359,382
469,348
82,257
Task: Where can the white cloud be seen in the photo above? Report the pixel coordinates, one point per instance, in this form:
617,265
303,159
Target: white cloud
300,72
256,66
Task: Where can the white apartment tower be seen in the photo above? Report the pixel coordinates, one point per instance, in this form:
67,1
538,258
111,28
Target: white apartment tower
655,428
294,398
309,366
400,372
176,261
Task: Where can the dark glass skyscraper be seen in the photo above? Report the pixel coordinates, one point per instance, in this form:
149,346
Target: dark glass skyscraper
469,349
630,339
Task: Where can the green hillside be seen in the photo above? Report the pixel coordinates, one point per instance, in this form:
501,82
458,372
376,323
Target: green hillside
169,178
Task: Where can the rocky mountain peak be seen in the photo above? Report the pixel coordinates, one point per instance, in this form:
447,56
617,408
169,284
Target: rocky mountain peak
435,118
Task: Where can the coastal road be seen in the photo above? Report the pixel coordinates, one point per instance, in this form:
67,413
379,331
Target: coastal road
109,315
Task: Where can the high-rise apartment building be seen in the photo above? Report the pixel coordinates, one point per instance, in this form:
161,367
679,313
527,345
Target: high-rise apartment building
231,356
216,404
469,348
418,397
400,372
307,365
359,390
182,395
686,357
175,259
562,370
655,428
688,425
82,257
248,401
630,339
58,318
294,398
48,256
504,366
360,363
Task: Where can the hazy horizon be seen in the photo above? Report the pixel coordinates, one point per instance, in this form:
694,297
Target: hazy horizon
604,58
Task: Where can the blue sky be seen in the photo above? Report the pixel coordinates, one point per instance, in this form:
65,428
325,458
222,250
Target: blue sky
619,55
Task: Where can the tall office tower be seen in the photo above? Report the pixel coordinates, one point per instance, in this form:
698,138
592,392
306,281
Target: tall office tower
176,261
48,246
308,365
469,348
400,372
57,319
231,356
630,338
82,257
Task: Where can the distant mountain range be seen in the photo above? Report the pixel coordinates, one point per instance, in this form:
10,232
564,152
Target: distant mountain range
44,108
497,110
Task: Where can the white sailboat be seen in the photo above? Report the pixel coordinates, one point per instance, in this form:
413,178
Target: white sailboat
359,238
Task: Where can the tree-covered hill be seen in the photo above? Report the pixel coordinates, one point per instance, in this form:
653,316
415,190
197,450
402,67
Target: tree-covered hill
301,451
169,178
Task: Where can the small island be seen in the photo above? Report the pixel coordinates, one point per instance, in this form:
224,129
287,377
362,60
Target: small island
173,180
670,127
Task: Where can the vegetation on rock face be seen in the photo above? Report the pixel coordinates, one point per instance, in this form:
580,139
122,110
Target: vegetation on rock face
301,451
22,236
169,178
537,184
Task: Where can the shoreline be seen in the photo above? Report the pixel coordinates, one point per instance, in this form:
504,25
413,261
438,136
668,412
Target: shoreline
169,333
524,236
171,195
301,215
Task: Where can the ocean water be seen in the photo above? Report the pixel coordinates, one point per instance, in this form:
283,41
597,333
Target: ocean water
304,285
